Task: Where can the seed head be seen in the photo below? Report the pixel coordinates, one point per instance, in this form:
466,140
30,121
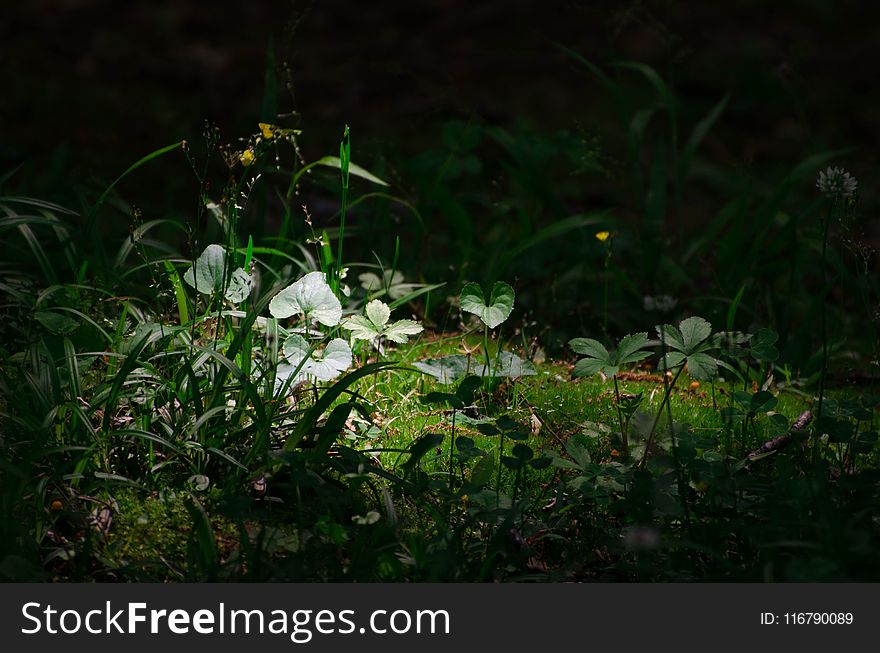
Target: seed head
836,182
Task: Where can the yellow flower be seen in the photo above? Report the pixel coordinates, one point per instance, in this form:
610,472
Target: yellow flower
247,157
267,129
602,236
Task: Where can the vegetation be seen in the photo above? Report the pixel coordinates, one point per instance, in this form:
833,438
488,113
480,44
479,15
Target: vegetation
254,393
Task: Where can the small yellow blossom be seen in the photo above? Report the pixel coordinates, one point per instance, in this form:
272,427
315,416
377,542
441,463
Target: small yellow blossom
602,236
57,505
267,129
247,157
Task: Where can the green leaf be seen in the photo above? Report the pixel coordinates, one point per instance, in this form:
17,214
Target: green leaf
421,447
468,388
590,347
762,345
311,297
694,330
56,323
587,367
702,367
630,349
672,360
670,336
496,311
353,168
209,271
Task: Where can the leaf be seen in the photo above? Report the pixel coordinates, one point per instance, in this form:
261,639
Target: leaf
55,322
393,282
702,367
468,388
323,365
694,330
240,286
630,349
310,297
508,365
671,336
361,328
378,313
209,271
421,447
496,311
401,330
449,369
672,360
762,345
590,347
587,367
354,169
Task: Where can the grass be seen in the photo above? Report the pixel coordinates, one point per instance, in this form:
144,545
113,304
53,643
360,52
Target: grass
165,417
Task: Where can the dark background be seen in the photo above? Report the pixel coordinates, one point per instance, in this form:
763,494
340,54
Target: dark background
91,85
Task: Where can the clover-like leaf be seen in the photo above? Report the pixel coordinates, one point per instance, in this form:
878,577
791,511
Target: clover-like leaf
375,324
630,350
311,297
496,311
323,365
691,340
449,369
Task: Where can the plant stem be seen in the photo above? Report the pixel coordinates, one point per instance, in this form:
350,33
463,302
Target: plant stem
824,331
489,372
623,429
650,439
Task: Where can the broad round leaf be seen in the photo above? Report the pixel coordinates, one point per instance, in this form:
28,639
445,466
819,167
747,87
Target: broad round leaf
378,312
209,271
310,297
496,311
323,365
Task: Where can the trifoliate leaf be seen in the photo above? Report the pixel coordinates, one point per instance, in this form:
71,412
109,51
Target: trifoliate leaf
310,297
361,328
496,311
630,349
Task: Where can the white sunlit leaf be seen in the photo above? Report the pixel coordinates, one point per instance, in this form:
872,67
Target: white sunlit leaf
378,312
310,297
400,331
322,365
361,328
